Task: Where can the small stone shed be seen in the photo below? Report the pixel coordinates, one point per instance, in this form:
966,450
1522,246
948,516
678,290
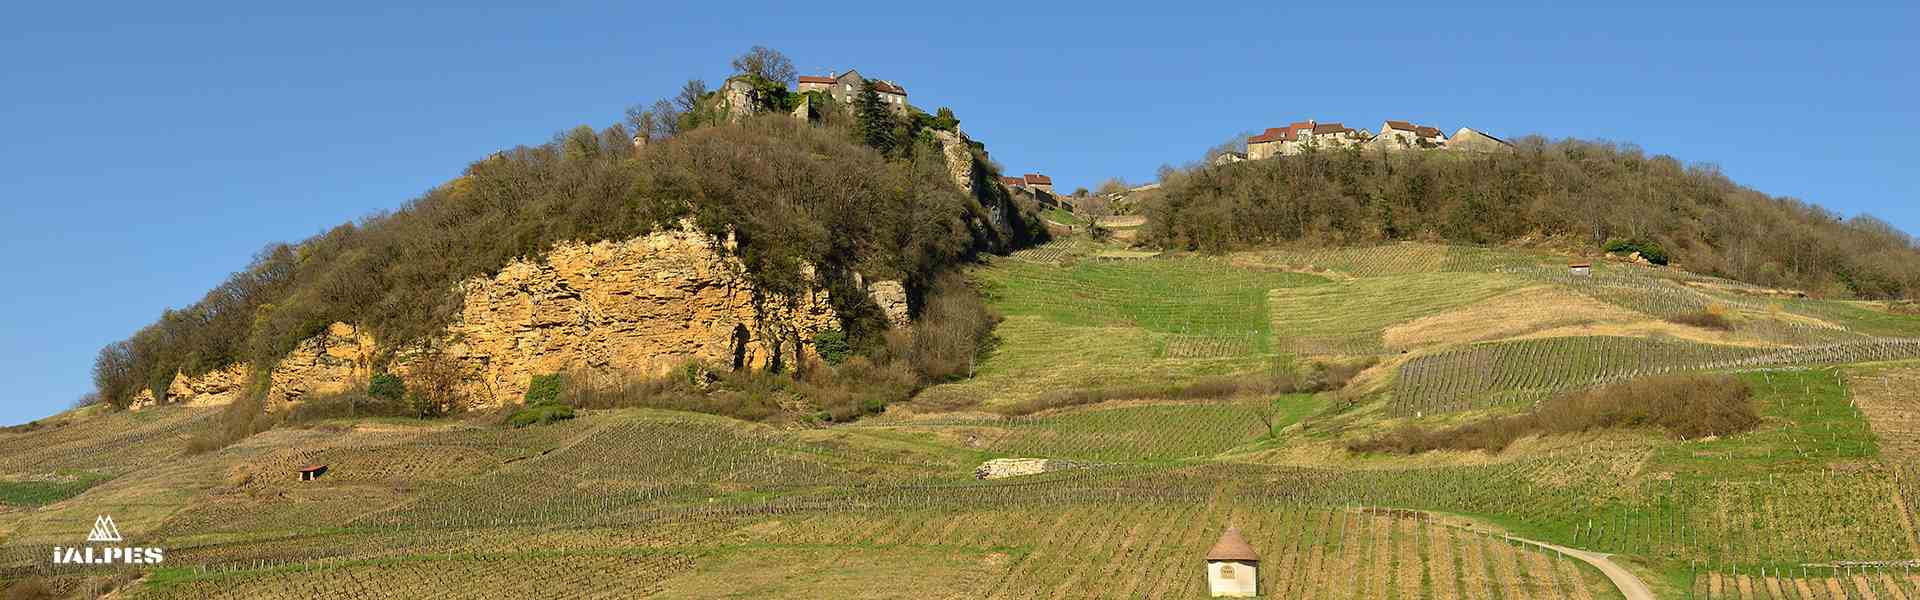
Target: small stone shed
1232,567
1580,269
312,472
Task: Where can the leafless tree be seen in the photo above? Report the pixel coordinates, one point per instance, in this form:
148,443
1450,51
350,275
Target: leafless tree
768,64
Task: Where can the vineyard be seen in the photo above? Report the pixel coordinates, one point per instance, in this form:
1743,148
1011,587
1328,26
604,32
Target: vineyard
1817,502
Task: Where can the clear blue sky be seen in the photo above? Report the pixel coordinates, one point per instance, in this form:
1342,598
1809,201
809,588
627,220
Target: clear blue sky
150,148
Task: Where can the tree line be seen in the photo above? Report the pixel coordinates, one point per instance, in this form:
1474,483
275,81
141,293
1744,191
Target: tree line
1581,194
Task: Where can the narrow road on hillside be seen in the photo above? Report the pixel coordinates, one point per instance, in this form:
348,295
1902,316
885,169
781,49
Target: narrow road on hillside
1629,584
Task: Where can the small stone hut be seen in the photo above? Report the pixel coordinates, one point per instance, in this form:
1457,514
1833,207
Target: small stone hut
312,472
1580,269
1232,567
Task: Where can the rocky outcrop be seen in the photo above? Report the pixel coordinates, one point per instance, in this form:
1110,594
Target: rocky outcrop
635,308
959,158
891,297
639,307
336,360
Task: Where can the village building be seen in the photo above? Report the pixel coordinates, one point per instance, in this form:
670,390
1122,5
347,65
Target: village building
1232,567
1300,135
1039,182
1468,140
846,87
1404,135
1014,183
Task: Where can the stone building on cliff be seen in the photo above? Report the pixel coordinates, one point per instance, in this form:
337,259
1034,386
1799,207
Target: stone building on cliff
846,88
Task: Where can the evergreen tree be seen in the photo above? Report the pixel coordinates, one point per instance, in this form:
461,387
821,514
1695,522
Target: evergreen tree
876,120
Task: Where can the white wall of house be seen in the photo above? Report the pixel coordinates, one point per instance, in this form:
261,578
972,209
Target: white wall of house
1232,579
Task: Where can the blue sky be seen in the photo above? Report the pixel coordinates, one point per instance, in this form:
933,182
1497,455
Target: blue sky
150,149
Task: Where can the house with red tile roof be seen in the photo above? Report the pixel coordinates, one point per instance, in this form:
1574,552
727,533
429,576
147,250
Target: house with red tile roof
1300,135
1405,135
846,88
1039,182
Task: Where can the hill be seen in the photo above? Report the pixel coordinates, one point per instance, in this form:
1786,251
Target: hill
1577,196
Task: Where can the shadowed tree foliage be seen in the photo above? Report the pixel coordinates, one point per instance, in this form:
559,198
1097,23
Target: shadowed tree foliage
1581,193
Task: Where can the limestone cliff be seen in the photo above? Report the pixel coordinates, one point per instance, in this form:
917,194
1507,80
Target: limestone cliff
641,306
634,308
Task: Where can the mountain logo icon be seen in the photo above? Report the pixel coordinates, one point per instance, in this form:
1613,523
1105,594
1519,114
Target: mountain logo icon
104,530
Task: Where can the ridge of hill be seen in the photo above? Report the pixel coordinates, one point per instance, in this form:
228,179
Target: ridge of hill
1583,197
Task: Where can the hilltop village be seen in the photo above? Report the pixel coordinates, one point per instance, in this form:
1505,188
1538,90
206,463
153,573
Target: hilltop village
1302,136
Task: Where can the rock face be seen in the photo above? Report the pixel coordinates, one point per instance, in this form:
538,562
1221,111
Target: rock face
891,296
959,158
639,307
1001,468
337,360
635,308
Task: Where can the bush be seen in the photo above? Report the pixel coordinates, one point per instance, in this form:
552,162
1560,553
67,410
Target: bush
387,386
540,414
833,346
344,406
1685,407
1707,319
1648,250
544,389
954,329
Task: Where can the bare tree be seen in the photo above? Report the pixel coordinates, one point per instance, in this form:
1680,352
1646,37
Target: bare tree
666,119
642,121
690,94
766,63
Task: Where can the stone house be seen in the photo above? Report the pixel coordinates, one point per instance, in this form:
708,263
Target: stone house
1301,135
1468,140
1039,182
846,87
1013,183
1232,567
1404,135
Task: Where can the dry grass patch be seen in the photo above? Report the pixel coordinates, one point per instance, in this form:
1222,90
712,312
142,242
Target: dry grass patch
1513,314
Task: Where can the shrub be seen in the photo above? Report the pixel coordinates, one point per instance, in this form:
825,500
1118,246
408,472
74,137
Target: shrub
540,414
31,588
1685,407
345,406
1707,319
544,389
833,346
954,328
436,386
1648,250
387,386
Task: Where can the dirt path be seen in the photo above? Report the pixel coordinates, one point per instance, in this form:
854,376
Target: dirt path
1629,584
